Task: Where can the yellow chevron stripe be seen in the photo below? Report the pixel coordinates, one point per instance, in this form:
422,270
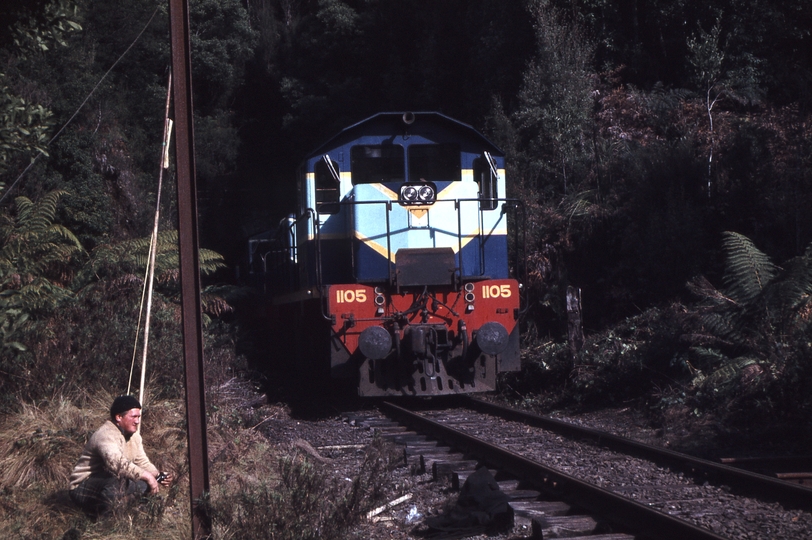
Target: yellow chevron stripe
381,249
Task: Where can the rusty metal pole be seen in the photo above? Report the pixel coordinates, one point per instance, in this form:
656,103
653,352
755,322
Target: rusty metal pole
189,265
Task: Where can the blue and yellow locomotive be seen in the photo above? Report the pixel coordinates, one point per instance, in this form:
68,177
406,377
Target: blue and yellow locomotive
394,272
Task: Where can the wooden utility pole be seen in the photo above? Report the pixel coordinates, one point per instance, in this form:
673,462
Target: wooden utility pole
189,265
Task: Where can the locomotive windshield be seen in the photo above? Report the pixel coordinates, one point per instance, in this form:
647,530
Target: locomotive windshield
376,163
434,162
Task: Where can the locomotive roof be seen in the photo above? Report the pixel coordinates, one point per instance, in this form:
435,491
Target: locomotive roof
389,122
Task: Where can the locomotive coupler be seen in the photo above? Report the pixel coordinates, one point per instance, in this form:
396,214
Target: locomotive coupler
422,344
429,367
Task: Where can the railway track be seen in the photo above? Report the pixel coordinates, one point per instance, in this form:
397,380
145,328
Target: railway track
611,489
743,477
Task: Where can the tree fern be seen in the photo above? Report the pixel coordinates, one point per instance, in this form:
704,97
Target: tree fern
763,308
35,255
788,300
132,256
35,265
748,271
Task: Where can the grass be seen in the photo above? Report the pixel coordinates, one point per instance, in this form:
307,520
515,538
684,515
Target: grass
41,443
258,489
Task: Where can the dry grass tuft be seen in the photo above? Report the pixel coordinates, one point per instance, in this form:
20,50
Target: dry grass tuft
40,444
259,490
290,495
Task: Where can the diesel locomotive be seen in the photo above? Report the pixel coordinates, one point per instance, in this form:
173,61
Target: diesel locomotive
394,272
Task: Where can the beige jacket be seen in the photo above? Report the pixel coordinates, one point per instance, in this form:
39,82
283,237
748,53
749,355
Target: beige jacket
108,451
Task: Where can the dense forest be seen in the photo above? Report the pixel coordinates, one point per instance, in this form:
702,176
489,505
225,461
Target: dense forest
662,148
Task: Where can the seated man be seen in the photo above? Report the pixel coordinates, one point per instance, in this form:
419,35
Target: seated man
113,465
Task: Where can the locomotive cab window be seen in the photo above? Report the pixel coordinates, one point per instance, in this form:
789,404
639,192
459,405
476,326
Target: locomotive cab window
485,177
372,164
328,185
434,162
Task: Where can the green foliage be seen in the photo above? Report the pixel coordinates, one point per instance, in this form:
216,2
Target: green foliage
216,144
221,43
131,257
35,256
24,126
81,164
728,371
706,56
555,102
748,270
37,263
753,324
36,33
12,322
85,335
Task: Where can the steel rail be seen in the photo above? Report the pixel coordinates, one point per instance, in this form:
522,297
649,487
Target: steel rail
647,521
757,485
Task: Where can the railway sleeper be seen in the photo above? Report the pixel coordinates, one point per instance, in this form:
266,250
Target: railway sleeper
418,450
611,536
445,469
563,526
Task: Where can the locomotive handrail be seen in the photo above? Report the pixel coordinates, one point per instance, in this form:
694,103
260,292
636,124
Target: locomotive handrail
520,269
291,240
389,270
458,208
310,212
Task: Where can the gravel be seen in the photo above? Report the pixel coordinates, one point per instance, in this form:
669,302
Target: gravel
339,443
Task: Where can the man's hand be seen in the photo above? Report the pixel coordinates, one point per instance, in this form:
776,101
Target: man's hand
165,479
154,487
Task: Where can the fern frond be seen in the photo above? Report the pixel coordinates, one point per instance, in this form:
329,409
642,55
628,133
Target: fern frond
133,256
706,356
24,207
724,326
214,304
62,232
729,371
704,289
40,215
748,270
210,261
791,287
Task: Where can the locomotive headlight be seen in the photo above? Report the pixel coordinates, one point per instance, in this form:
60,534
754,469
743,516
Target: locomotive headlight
425,194
408,194
418,193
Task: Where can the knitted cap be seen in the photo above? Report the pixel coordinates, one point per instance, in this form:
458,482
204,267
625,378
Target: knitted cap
123,404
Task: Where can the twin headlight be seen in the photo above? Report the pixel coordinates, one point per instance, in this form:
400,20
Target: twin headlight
416,194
